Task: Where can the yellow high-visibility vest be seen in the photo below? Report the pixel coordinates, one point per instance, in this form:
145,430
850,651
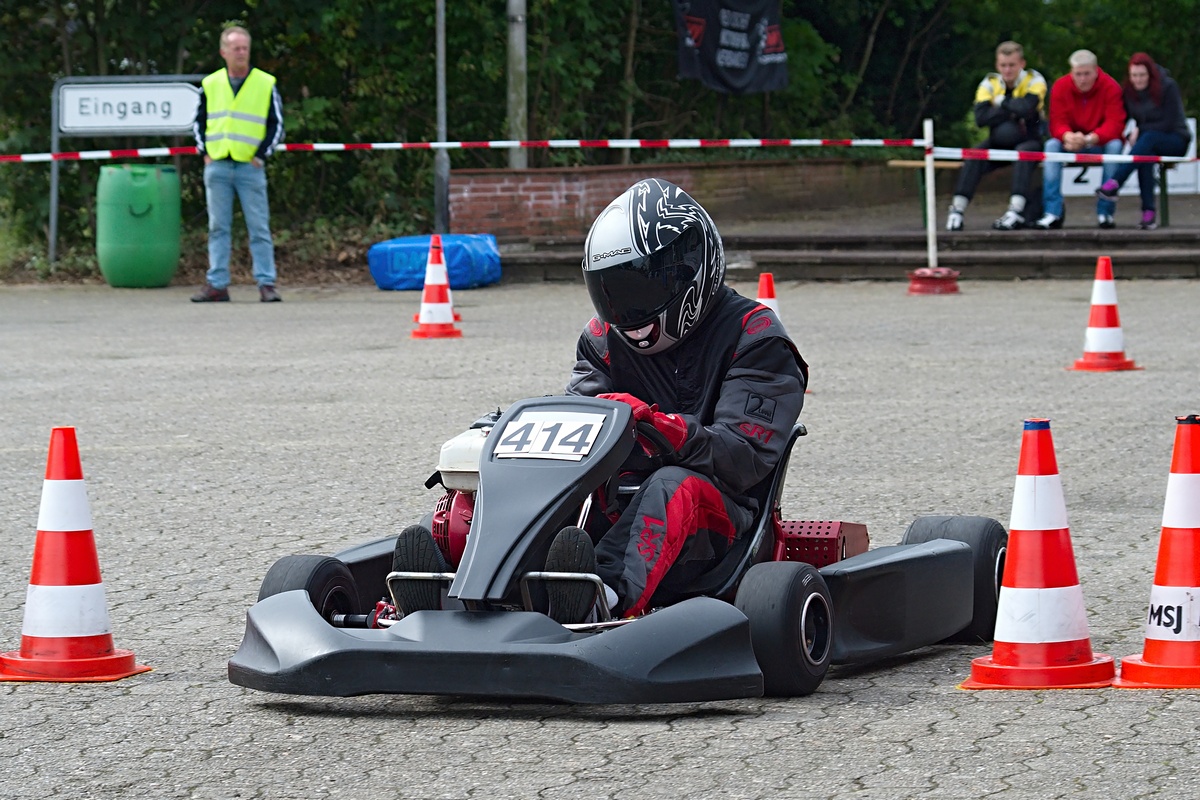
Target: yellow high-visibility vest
236,125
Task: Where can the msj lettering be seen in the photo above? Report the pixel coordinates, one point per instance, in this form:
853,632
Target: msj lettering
1169,617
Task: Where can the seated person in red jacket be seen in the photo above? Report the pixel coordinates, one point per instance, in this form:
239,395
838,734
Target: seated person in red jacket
713,371
1087,115
1009,103
1153,102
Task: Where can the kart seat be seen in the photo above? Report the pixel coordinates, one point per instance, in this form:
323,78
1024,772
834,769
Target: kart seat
757,545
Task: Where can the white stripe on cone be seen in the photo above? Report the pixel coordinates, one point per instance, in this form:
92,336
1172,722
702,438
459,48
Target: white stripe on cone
1038,504
64,507
1104,340
1182,506
1040,616
436,314
58,612
1104,293
1174,614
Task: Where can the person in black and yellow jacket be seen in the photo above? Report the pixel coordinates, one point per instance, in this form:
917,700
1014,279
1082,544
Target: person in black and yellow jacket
1010,103
239,124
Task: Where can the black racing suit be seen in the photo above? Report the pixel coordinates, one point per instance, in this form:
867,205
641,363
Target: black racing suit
738,382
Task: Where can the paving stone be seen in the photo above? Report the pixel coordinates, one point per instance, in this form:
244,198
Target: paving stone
215,440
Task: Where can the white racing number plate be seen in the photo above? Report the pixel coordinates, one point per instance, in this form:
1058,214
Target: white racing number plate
558,435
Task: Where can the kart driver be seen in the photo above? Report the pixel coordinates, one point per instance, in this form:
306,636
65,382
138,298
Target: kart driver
715,373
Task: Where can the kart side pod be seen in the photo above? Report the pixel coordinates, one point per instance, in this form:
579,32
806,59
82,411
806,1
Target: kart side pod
894,599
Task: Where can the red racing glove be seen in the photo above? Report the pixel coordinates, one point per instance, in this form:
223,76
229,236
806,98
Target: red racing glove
672,426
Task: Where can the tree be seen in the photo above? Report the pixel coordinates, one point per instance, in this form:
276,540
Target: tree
363,71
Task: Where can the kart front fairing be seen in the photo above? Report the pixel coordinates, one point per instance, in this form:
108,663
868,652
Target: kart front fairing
541,461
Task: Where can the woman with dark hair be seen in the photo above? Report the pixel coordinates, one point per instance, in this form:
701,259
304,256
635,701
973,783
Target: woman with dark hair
1153,102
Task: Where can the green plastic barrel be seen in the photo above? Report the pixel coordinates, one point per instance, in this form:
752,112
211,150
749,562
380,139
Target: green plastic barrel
137,225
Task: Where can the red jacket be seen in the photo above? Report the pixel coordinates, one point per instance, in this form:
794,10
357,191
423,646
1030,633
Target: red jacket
1100,111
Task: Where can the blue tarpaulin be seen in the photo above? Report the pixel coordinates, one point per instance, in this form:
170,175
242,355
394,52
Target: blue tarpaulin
472,259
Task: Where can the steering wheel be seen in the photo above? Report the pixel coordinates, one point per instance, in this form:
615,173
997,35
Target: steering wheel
660,450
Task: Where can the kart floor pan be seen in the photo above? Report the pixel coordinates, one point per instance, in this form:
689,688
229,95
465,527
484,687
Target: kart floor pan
696,650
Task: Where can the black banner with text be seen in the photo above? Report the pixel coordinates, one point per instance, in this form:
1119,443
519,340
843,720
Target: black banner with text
732,46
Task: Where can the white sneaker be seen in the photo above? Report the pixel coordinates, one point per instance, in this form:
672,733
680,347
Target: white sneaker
954,221
1011,221
1105,221
1049,222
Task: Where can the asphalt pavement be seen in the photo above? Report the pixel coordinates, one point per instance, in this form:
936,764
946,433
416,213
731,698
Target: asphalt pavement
218,438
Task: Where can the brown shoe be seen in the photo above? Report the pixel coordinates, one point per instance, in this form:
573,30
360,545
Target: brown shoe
267,294
211,294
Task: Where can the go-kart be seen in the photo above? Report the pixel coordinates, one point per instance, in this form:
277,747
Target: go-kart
787,600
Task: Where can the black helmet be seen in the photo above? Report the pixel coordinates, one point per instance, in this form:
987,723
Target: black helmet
652,262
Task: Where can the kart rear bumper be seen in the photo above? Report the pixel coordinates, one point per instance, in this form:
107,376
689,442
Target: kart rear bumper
696,650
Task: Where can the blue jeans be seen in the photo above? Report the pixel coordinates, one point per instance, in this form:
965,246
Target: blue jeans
222,180
1150,143
1052,199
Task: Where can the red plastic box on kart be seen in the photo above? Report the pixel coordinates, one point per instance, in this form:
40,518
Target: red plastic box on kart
789,599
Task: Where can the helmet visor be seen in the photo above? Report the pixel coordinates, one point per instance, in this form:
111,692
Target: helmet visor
635,292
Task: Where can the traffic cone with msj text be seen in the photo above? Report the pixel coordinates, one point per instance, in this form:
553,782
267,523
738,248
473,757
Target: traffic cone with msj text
1042,639
66,635
436,318
1170,658
1104,342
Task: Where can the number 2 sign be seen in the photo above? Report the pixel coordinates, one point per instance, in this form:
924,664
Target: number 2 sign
557,435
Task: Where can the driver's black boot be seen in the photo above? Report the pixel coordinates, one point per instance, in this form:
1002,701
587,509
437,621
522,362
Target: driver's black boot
417,552
571,551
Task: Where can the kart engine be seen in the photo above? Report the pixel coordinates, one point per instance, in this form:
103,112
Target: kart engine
452,523
458,471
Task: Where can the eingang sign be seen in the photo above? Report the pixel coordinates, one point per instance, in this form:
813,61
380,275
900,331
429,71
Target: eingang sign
117,105
116,108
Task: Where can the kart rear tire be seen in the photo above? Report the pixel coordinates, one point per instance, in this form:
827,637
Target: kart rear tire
791,625
328,581
989,543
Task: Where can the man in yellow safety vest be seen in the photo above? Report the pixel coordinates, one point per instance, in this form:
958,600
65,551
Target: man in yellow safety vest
238,124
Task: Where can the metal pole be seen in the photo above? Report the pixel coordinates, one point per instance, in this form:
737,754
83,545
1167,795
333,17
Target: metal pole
930,203
518,117
441,161
52,255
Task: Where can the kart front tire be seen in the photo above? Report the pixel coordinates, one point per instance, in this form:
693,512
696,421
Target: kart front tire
328,581
791,625
989,543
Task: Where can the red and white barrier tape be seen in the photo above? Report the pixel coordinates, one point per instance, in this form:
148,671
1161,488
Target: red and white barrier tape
971,154
324,147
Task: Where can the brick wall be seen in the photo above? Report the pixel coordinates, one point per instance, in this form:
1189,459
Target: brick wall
565,201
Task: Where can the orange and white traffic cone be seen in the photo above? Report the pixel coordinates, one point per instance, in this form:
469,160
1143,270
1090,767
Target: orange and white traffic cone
1104,343
766,292
1170,657
1042,639
436,319
435,260
66,636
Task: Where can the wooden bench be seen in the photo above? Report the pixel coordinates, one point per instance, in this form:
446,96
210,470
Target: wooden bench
919,166
1164,204
1164,207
